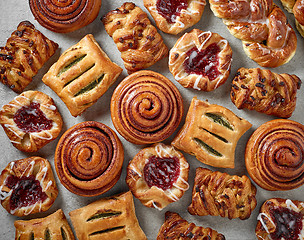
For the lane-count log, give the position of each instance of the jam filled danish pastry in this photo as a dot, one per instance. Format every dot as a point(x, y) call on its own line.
point(158, 176)
point(174, 16)
point(201, 60)
point(220, 194)
point(31, 120)
point(136, 38)
point(27, 186)
point(26, 51)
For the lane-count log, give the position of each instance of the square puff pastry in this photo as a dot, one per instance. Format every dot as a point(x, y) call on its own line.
point(211, 133)
point(108, 219)
point(54, 226)
point(82, 74)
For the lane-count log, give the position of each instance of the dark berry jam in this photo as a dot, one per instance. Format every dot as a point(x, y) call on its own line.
point(170, 9)
point(203, 62)
point(288, 222)
point(161, 172)
point(31, 119)
point(26, 191)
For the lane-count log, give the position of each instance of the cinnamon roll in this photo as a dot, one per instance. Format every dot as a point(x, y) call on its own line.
point(89, 158)
point(146, 107)
point(274, 155)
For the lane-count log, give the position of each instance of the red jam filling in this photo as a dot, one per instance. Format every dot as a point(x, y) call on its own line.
point(161, 172)
point(288, 222)
point(26, 191)
point(170, 9)
point(203, 62)
point(31, 119)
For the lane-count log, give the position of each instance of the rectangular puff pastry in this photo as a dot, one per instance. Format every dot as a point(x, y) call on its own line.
point(108, 219)
point(82, 74)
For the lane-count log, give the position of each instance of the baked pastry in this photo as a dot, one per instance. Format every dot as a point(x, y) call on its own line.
point(146, 107)
point(280, 219)
point(211, 133)
point(82, 74)
point(24, 54)
point(136, 38)
point(108, 219)
point(158, 176)
point(31, 120)
point(175, 16)
point(274, 155)
point(262, 26)
point(176, 227)
point(89, 158)
point(220, 194)
point(27, 186)
point(265, 91)
point(54, 226)
point(65, 16)
point(201, 60)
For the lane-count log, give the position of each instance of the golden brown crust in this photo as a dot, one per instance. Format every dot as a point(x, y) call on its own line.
point(36, 167)
point(265, 91)
point(54, 226)
point(187, 18)
point(220, 194)
point(82, 74)
point(25, 53)
point(136, 38)
point(146, 107)
point(22, 139)
point(274, 155)
point(177, 228)
point(201, 40)
point(211, 133)
point(155, 197)
point(89, 158)
point(108, 219)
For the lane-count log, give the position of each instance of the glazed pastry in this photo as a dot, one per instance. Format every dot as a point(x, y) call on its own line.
point(82, 74)
point(201, 60)
point(54, 226)
point(31, 120)
point(158, 176)
point(24, 54)
point(265, 91)
point(211, 133)
point(27, 186)
point(262, 26)
point(64, 16)
point(146, 107)
point(274, 155)
point(108, 219)
point(220, 194)
point(280, 219)
point(136, 38)
point(175, 16)
point(89, 158)
point(176, 227)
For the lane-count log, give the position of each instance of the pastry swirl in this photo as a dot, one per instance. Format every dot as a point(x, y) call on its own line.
point(89, 158)
point(65, 16)
point(274, 155)
point(146, 107)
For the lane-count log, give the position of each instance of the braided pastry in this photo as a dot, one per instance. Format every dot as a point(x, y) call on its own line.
point(136, 38)
point(262, 26)
point(64, 16)
point(220, 194)
point(146, 107)
point(24, 54)
point(274, 155)
point(265, 91)
point(177, 228)
point(89, 158)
